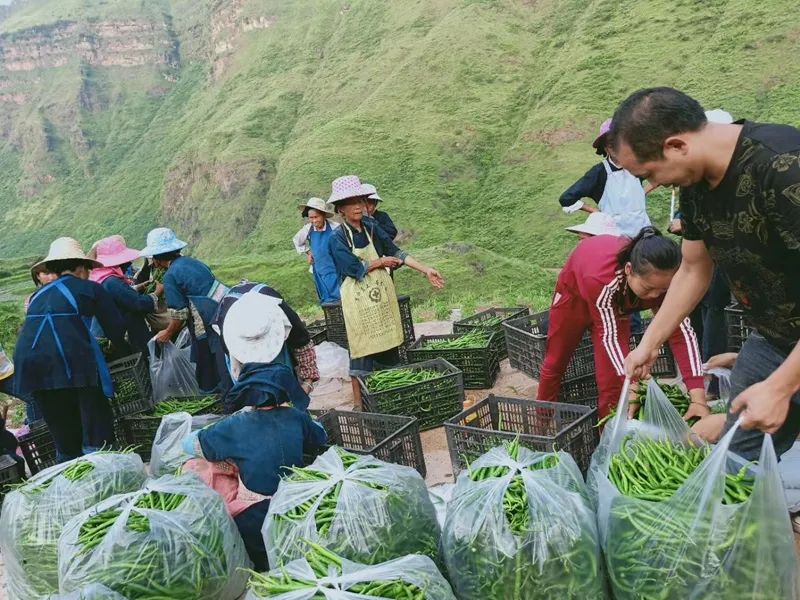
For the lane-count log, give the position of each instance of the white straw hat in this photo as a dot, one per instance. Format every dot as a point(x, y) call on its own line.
point(598, 223)
point(317, 204)
point(349, 186)
point(373, 192)
point(255, 328)
point(65, 248)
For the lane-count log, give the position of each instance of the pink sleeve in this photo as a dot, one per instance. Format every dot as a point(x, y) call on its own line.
point(683, 343)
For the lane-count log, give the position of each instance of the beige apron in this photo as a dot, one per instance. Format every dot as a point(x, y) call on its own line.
point(371, 312)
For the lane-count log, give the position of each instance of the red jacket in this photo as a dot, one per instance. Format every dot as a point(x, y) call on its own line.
point(591, 272)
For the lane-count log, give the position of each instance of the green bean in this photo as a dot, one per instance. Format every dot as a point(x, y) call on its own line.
point(477, 338)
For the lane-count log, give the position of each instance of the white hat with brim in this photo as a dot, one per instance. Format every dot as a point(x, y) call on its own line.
point(317, 204)
point(374, 192)
point(162, 240)
point(349, 186)
point(64, 248)
point(255, 328)
point(597, 223)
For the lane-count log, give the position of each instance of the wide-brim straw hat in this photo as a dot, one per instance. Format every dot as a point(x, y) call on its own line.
point(255, 328)
point(597, 223)
point(349, 186)
point(64, 248)
point(317, 204)
point(113, 251)
point(162, 240)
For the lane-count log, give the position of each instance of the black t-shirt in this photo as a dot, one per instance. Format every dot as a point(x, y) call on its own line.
point(750, 224)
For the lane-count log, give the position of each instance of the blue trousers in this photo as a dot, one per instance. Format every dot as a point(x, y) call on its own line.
point(756, 361)
point(249, 523)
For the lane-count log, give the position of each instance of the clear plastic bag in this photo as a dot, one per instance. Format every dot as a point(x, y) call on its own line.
point(558, 556)
point(167, 456)
point(193, 551)
point(93, 591)
point(383, 511)
point(34, 515)
point(692, 545)
point(419, 571)
point(171, 371)
point(333, 361)
point(724, 380)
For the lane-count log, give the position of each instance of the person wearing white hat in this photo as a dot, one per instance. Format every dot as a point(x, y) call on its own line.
point(59, 362)
point(363, 252)
point(302, 355)
point(266, 441)
point(597, 223)
point(116, 257)
point(381, 216)
point(313, 240)
point(193, 294)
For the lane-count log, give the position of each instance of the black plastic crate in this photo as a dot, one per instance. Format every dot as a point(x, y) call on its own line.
point(526, 340)
point(478, 321)
point(9, 474)
point(581, 390)
point(337, 333)
point(140, 430)
point(738, 328)
point(38, 448)
point(665, 363)
point(390, 438)
point(432, 401)
point(540, 426)
point(479, 366)
point(318, 331)
point(133, 390)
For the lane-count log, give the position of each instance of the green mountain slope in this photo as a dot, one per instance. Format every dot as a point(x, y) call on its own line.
point(216, 117)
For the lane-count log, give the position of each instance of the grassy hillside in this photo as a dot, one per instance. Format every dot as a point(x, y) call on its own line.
point(470, 116)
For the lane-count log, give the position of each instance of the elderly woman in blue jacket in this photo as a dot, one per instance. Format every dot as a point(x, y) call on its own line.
point(58, 361)
point(193, 295)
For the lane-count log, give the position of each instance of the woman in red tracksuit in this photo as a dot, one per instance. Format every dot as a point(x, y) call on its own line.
point(604, 280)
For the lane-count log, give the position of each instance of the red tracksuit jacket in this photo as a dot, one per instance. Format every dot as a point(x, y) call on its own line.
point(587, 295)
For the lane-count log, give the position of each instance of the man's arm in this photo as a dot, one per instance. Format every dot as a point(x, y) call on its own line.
point(685, 292)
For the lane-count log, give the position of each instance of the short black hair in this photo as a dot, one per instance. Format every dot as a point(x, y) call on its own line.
point(168, 256)
point(70, 264)
point(648, 117)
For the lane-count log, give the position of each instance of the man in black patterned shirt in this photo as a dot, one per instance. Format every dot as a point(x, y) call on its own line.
point(740, 200)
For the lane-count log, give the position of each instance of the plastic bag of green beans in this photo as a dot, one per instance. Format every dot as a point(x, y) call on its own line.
point(362, 508)
point(167, 456)
point(171, 539)
point(680, 520)
point(323, 574)
point(35, 513)
point(519, 525)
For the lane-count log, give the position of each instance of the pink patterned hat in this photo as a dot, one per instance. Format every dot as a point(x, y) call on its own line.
point(344, 188)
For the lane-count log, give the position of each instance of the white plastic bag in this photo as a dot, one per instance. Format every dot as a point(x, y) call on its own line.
point(167, 456)
point(192, 551)
point(333, 361)
point(382, 511)
point(92, 591)
point(346, 582)
point(34, 515)
point(692, 545)
point(724, 379)
point(172, 373)
point(555, 554)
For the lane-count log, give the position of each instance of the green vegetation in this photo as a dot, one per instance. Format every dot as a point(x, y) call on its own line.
point(470, 116)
